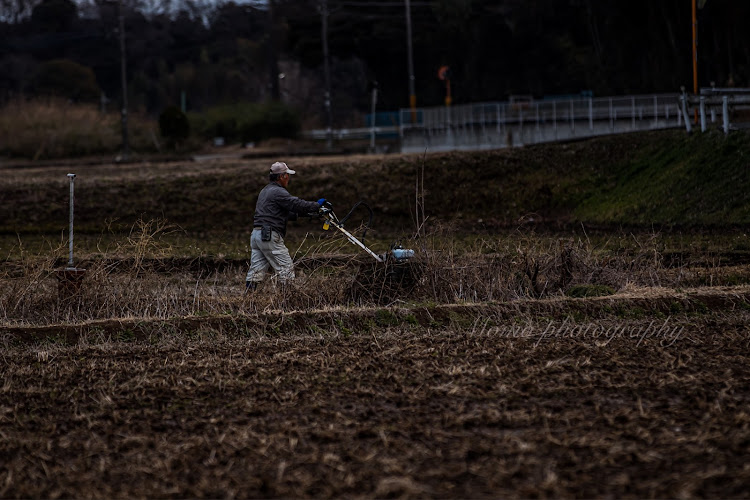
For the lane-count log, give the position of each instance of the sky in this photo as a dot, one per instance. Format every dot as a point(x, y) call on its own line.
point(9, 9)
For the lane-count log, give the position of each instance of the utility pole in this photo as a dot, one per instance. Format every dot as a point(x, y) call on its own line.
point(695, 52)
point(373, 108)
point(327, 73)
point(124, 84)
point(273, 64)
point(412, 92)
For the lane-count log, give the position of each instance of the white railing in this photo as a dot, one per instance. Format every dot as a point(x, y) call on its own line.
point(491, 125)
point(659, 108)
point(504, 124)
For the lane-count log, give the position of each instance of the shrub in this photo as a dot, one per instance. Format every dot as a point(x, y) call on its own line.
point(174, 125)
point(64, 78)
point(247, 122)
point(273, 119)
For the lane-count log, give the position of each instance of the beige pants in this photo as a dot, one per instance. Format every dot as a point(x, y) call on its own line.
point(267, 255)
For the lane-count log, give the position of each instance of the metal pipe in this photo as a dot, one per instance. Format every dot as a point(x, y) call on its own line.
point(70, 229)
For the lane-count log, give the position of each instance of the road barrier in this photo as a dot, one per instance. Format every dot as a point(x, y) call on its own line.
point(492, 125)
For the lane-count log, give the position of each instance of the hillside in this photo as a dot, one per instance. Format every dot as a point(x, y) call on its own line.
point(660, 178)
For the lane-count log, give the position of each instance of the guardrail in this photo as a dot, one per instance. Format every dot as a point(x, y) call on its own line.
point(505, 124)
point(661, 108)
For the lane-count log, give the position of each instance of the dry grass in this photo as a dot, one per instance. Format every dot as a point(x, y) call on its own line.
point(54, 128)
point(136, 278)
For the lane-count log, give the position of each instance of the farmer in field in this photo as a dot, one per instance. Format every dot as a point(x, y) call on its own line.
point(274, 208)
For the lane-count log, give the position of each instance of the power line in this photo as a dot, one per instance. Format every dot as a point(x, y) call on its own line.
point(369, 3)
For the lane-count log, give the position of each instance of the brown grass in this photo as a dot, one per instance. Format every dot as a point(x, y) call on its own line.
point(137, 278)
point(55, 128)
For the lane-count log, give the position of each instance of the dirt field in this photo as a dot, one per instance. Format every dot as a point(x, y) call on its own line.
point(520, 354)
point(645, 394)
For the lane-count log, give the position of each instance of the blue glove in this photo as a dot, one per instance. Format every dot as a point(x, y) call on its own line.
point(321, 201)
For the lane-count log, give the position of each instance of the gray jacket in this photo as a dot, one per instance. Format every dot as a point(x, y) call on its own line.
point(275, 205)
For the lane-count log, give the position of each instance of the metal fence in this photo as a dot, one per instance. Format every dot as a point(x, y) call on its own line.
point(504, 124)
point(490, 125)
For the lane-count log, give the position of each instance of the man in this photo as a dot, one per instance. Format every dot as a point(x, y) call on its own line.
point(274, 208)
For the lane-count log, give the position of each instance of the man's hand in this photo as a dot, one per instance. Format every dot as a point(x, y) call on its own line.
point(321, 201)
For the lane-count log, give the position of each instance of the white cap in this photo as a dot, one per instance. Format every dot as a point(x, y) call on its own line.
point(280, 168)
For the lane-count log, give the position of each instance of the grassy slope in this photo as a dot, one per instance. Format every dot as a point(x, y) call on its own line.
point(676, 179)
point(645, 178)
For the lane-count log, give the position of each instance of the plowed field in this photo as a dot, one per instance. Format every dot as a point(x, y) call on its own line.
point(644, 394)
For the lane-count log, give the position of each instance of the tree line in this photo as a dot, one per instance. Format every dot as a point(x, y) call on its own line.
point(206, 54)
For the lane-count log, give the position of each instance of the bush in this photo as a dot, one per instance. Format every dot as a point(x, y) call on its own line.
point(64, 78)
point(247, 122)
point(174, 125)
point(273, 119)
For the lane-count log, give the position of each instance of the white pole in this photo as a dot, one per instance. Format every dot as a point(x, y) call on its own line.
point(70, 230)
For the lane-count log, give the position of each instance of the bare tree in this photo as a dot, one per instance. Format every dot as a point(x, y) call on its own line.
point(14, 11)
